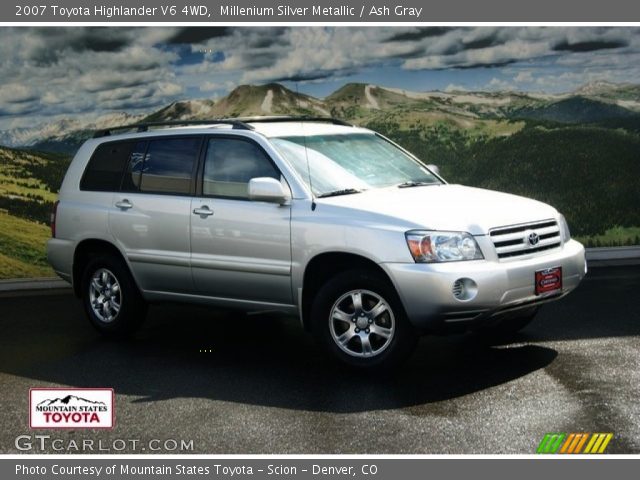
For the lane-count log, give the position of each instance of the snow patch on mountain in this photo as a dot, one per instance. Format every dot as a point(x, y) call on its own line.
point(372, 102)
point(267, 103)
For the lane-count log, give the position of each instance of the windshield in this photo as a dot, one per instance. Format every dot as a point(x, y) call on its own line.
point(351, 163)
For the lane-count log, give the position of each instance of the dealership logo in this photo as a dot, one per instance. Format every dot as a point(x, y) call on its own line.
point(574, 443)
point(71, 408)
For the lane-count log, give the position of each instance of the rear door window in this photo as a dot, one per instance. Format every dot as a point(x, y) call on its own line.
point(166, 166)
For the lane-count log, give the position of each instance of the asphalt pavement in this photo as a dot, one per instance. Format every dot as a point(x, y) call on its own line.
point(230, 383)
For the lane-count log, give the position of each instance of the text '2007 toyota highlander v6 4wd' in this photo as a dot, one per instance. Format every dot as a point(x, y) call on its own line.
point(315, 217)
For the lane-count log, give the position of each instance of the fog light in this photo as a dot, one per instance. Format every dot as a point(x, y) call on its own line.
point(464, 289)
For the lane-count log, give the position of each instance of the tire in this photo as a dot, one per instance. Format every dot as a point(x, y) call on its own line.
point(375, 335)
point(510, 324)
point(110, 296)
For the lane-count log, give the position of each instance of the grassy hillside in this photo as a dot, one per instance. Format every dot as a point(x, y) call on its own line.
point(28, 185)
point(29, 182)
point(613, 237)
point(589, 173)
point(576, 110)
point(22, 248)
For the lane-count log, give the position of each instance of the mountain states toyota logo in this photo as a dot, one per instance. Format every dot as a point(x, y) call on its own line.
point(71, 408)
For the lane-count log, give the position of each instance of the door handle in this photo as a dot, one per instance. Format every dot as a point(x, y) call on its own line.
point(203, 211)
point(124, 204)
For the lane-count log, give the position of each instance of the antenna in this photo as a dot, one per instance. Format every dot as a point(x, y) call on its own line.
point(306, 152)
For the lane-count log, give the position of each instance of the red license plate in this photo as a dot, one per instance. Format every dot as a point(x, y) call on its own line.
point(548, 280)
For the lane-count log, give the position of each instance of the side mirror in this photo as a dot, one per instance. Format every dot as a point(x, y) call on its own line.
point(267, 189)
point(434, 168)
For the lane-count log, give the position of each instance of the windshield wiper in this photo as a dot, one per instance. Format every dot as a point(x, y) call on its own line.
point(335, 193)
point(413, 183)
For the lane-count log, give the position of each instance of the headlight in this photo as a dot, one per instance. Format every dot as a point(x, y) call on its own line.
point(564, 228)
point(429, 247)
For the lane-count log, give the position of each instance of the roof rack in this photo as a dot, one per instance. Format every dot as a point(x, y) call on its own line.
point(144, 127)
point(294, 118)
point(240, 123)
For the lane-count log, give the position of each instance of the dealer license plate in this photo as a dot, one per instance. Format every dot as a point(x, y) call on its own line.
point(548, 280)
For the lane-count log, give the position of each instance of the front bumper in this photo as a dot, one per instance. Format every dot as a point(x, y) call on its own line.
point(426, 290)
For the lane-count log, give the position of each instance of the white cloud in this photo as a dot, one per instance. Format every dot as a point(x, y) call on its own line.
point(51, 98)
point(209, 86)
point(17, 93)
point(498, 84)
point(524, 76)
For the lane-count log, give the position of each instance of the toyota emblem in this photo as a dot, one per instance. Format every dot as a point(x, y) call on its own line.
point(533, 238)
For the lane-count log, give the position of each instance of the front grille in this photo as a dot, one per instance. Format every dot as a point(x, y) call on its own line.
point(525, 239)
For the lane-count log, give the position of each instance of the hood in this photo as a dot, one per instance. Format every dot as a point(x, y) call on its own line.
point(443, 207)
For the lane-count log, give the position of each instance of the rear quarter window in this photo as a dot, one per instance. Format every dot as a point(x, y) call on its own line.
point(104, 170)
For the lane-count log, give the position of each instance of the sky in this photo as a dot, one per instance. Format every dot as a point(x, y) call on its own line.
point(83, 72)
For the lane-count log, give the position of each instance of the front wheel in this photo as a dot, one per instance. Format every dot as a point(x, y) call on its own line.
point(110, 296)
point(358, 319)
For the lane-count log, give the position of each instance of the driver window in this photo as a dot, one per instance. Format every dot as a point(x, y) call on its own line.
point(230, 164)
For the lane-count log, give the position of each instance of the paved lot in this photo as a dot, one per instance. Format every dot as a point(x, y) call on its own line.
point(265, 388)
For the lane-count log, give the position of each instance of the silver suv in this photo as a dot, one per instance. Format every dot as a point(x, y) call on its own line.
point(313, 217)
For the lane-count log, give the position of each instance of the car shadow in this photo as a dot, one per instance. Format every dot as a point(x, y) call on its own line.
point(187, 351)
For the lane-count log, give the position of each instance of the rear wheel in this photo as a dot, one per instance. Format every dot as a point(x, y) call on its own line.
point(358, 319)
point(111, 298)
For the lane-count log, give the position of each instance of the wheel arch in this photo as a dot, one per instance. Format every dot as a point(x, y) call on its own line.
point(326, 265)
point(84, 251)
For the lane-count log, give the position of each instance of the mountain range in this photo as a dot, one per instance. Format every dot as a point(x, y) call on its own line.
point(363, 104)
point(69, 400)
point(578, 151)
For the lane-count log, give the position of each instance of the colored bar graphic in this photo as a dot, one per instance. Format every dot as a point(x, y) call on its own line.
point(571, 440)
point(578, 448)
point(573, 443)
point(592, 441)
point(598, 443)
point(606, 441)
point(551, 442)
